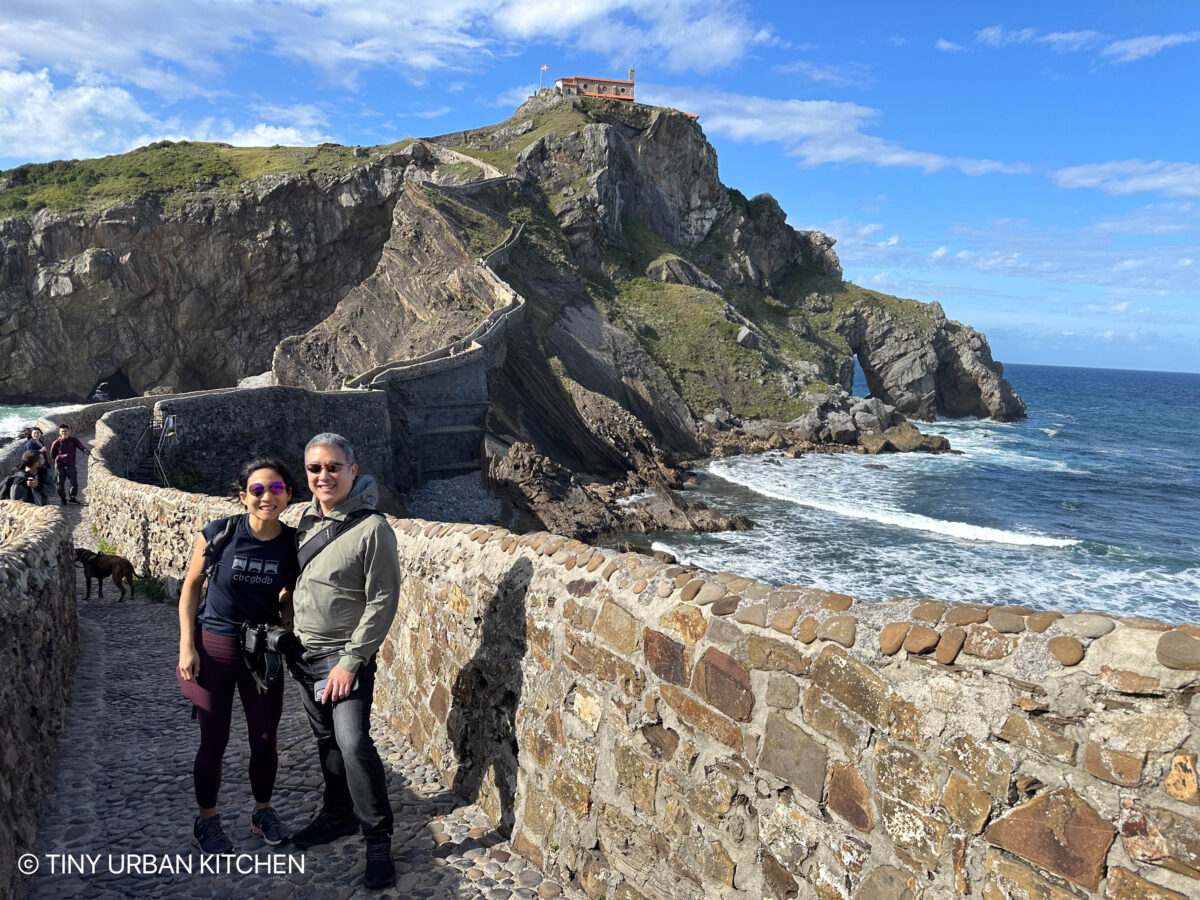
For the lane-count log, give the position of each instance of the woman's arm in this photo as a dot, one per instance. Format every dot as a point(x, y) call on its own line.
point(189, 605)
point(286, 611)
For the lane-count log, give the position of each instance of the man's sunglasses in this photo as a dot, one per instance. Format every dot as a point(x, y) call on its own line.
point(331, 468)
point(275, 487)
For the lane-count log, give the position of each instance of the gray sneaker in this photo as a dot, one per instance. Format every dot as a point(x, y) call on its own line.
point(264, 823)
point(210, 837)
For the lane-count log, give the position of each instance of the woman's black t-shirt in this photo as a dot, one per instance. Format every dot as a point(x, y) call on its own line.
point(245, 585)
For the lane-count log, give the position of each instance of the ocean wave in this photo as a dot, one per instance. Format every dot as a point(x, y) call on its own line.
point(910, 521)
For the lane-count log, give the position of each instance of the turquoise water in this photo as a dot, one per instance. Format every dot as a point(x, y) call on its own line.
point(14, 419)
point(1093, 502)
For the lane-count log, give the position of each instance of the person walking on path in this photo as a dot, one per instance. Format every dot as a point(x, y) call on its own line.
point(22, 484)
point(346, 598)
point(62, 452)
point(249, 580)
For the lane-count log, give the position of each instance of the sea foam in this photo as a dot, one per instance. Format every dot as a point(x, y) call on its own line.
point(912, 521)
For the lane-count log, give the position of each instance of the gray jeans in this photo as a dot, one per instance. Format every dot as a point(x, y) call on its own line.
point(355, 782)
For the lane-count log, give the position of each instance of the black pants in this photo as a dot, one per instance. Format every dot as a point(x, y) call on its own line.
point(222, 671)
point(355, 782)
point(65, 474)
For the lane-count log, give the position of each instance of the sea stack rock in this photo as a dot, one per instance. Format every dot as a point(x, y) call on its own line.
point(928, 365)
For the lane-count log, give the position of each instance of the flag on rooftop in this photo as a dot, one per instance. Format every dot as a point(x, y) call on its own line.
point(544, 67)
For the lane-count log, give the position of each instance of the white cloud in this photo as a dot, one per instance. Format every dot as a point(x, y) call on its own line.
point(890, 242)
point(684, 35)
point(435, 112)
point(1132, 176)
point(949, 46)
point(1185, 262)
point(39, 121)
point(1172, 217)
point(301, 115)
point(186, 49)
point(1070, 41)
point(1061, 41)
point(839, 76)
point(869, 229)
point(263, 135)
point(938, 253)
point(818, 132)
point(1120, 51)
point(1147, 45)
point(515, 96)
point(999, 36)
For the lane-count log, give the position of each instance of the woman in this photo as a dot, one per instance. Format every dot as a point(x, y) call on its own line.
point(251, 582)
point(33, 441)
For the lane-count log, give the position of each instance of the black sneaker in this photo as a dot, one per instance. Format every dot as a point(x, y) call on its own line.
point(264, 823)
point(323, 829)
point(381, 871)
point(209, 836)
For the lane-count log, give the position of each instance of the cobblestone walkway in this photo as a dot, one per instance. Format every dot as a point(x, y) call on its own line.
point(123, 791)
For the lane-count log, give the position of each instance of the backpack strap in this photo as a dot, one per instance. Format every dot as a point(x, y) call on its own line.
point(326, 536)
point(212, 555)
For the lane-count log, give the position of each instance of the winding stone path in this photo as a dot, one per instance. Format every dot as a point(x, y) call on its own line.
point(123, 791)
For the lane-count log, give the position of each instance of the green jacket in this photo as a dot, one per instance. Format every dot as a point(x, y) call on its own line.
point(346, 597)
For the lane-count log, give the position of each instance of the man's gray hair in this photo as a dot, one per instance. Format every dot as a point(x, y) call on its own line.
point(329, 439)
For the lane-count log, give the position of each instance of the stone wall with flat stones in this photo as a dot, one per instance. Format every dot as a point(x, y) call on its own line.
point(657, 731)
point(39, 647)
point(216, 433)
point(660, 731)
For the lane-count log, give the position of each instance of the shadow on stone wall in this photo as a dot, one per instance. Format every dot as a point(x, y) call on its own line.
point(486, 695)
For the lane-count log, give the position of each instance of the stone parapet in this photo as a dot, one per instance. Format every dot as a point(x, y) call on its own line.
point(39, 648)
point(659, 731)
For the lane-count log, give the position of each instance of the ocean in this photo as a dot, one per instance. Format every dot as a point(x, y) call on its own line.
point(1091, 503)
point(14, 419)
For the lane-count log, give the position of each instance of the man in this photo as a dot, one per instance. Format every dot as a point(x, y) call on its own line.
point(62, 452)
point(22, 484)
point(344, 603)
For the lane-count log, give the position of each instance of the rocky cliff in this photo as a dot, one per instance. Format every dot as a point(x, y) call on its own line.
point(658, 299)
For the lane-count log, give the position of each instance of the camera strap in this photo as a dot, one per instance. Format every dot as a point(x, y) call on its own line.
point(326, 536)
point(265, 665)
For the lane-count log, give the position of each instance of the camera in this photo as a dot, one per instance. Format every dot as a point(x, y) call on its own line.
point(257, 639)
point(281, 640)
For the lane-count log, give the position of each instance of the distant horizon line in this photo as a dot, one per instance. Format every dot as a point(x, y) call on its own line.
point(1101, 368)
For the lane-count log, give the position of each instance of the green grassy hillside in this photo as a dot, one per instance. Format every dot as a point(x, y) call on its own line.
point(164, 171)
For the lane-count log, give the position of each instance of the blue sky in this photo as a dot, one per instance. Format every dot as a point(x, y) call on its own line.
point(1034, 167)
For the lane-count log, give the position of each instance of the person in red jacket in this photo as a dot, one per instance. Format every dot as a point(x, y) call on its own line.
point(62, 452)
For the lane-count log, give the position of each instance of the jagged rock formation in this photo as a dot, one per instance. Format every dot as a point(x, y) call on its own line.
point(938, 366)
point(426, 290)
point(656, 297)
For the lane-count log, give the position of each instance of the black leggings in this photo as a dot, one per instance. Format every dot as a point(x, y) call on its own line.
point(221, 668)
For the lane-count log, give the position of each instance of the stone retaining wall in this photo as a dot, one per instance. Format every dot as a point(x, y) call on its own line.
point(657, 731)
point(215, 434)
point(39, 647)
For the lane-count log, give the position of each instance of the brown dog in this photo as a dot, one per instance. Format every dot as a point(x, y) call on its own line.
point(101, 566)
